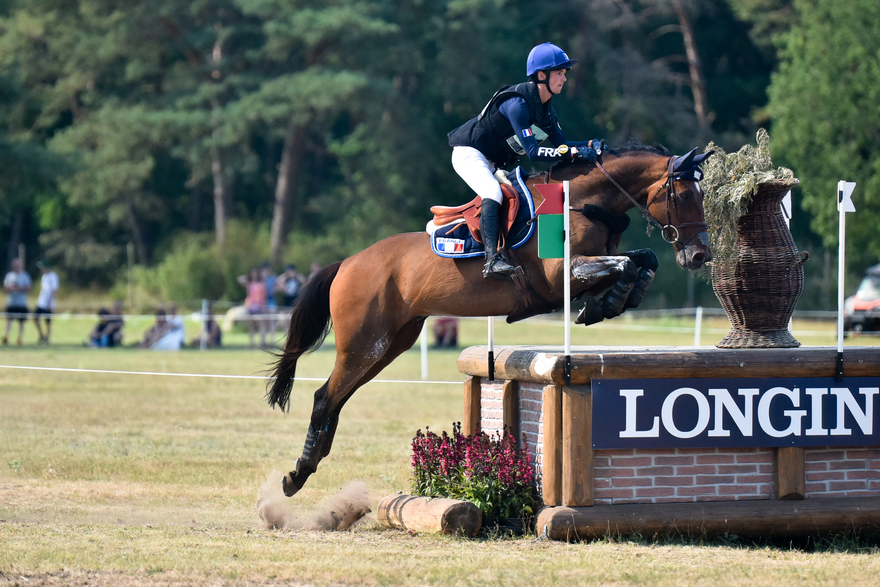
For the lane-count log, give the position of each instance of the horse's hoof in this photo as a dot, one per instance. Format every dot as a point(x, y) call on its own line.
point(591, 313)
point(289, 486)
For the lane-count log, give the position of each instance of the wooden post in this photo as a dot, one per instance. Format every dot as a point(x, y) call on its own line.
point(510, 407)
point(577, 447)
point(470, 423)
point(551, 475)
point(789, 473)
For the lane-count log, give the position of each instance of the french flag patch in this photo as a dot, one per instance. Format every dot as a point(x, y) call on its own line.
point(450, 245)
point(527, 132)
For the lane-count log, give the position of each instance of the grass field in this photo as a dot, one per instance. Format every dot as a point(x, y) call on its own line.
point(109, 478)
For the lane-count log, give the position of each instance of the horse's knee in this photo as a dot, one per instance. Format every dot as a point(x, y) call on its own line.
point(644, 259)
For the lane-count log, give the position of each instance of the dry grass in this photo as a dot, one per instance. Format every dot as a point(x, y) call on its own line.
point(142, 479)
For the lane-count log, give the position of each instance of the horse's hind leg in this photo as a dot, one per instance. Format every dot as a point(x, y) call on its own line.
point(351, 371)
point(405, 339)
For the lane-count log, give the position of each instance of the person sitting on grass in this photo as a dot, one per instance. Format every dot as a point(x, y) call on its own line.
point(162, 335)
point(108, 331)
point(210, 330)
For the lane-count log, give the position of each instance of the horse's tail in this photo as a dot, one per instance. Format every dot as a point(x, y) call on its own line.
point(309, 326)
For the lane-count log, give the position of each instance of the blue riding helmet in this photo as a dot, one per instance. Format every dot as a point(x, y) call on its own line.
point(547, 56)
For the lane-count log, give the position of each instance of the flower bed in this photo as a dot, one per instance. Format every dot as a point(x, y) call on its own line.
point(494, 473)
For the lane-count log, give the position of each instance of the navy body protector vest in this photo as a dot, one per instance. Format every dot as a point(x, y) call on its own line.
point(491, 132)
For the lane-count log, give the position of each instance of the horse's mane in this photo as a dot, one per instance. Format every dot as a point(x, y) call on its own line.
point(630, 146)
point(634, 145)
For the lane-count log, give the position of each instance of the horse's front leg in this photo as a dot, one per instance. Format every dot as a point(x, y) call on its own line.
point(647, 262)
point(624, 279)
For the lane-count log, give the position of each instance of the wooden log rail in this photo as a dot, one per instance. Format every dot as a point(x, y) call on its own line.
point(780, 519)
point(547, 365)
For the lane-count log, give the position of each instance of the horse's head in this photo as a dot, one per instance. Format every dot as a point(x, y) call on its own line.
point(675, 202)
point(666, 190)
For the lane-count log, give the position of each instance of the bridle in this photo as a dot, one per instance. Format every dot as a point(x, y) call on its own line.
point(669, 231)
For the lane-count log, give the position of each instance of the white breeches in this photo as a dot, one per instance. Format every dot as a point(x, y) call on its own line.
point(477, 171)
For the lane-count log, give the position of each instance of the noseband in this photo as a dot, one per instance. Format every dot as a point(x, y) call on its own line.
point(669, 231)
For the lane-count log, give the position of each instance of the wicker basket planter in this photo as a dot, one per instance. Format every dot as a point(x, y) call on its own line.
point(759, 289)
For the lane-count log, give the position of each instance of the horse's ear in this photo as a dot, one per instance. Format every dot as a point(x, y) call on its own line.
point(684, 162)
point(702, 157)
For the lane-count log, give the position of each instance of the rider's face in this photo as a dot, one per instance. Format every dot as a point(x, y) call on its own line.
point(557, 80)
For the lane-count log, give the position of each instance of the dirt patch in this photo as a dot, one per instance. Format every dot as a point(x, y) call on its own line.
point(340, 512)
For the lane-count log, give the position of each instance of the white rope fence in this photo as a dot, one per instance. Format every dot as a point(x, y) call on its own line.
point(204, 375)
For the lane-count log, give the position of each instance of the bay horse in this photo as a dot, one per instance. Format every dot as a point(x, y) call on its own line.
point(378, 299)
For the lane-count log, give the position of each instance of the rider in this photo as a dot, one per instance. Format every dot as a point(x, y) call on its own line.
point(512, 124)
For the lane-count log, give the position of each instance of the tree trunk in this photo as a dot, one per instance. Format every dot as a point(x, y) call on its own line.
point(221, 195)
point(288, 170)
point(222, 198)
point(137, 234)
point(15, 237)
point(698, 84)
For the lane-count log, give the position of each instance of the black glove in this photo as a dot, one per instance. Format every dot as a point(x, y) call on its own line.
point(598, 145)
point(587, 154)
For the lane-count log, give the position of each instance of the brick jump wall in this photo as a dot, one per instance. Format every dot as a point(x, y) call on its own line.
point(682, 475)
point(842, 472)
point(529, 407)
point(688, 475)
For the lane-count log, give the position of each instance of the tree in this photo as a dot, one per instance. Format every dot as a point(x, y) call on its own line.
point(313, 68)
point(826, 121)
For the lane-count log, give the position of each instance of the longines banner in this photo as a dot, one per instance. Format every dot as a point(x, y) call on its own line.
point(672, 413)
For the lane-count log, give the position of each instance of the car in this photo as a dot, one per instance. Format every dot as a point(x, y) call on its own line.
point(861, 312)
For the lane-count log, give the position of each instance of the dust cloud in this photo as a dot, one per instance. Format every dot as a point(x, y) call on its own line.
point(340, 512)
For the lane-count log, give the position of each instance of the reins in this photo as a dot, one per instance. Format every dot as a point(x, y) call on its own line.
point(669, 232)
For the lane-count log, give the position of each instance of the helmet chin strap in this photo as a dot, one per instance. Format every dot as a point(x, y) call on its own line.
point(546, 82)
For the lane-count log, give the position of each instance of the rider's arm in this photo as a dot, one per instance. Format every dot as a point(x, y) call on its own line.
point(517, 112)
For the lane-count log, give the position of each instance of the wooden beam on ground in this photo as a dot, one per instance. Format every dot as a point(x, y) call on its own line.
point(577, 447)
point(780, 519)
point(789, 473)
point(427, 514)
point(551, 479)
point(470, 423)
point(510, 407)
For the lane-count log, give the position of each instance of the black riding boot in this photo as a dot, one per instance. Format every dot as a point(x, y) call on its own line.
point(497, 265)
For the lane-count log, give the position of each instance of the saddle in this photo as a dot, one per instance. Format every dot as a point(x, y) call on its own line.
point(470, 213)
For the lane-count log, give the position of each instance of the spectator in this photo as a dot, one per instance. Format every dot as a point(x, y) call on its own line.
point(16, 283)
point(100, 336)
point(210, 330)
point(446, 332)
point(49, 285)
point(176, 329)
point(115, 323)
point(270, 280)
point(157, 332)
point(288, 285)
point(255, 302)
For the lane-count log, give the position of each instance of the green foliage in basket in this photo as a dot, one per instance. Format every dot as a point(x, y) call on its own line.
point(730, 180)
